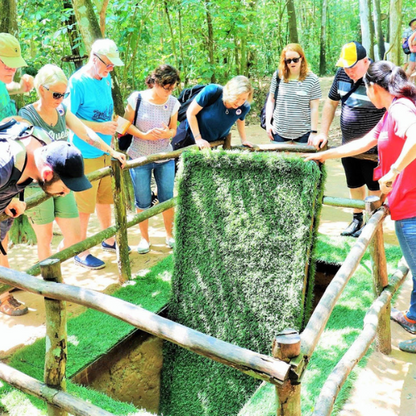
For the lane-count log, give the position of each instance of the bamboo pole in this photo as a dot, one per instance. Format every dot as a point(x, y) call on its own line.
point(102, 235)
point(60, 399)
point(120, 215)
point(380, 281)
point(56, 336)
point(256, 365)
point(343, 202)
point(320, 316)
point(278, 147)
point(360, 346)
point(227, 142)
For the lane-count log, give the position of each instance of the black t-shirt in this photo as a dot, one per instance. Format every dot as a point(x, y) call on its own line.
point(358, 114)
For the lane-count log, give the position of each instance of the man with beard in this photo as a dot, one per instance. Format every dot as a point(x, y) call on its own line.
point(58, 167)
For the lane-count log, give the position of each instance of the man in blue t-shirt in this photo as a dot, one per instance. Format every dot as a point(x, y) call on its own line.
point(358, 117)
point(10, 60)
point(90, 100)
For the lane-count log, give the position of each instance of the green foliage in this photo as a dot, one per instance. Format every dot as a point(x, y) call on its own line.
point(90, 335)
point(243, 238)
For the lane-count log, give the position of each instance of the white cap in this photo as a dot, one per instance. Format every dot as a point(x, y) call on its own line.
point(108, 48)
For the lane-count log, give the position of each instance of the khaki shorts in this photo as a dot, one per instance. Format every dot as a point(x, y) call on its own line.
point(101, 191)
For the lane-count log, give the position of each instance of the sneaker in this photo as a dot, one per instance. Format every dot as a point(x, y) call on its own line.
point(143, 247)
point(408, 345)
point(90, 262)
point(11, 306)
point(401, 318)
point(155, 201)
point(358, 232)
point(109, 247)
point(170, 242)
point(354, 226)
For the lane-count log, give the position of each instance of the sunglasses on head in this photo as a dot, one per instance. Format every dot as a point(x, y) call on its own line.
point(294, 60)
point(57, 95)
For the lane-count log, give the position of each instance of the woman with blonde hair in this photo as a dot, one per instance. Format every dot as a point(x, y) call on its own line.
point(292, 109)
point(214, 111)
point(54, 117)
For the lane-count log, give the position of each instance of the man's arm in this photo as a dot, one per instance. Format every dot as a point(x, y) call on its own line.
point(25, 85)
point(328, 114)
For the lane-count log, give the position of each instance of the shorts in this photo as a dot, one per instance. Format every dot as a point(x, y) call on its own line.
point(302, 139)
point(5, 227)
point(101, 191)
point(164, 174)
point(57, 207)
point(359, 172)
point(412, 57)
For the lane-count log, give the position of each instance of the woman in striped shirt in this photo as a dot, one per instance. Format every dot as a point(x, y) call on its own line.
point(293, 115)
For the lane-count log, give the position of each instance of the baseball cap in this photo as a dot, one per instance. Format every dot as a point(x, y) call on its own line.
point(10, 52)
point(410, 23)
point(67, 161)
point(351, 53)
point(108, 48)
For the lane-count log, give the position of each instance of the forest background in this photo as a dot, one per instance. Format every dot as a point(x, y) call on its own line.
point(208, 41)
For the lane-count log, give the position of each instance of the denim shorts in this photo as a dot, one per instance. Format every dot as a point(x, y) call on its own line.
point(5, 227)
point(164, 174)
point(412, 57)
point(406, 234)
point(302, 139)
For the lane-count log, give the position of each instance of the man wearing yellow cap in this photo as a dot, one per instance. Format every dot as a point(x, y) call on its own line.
point(358, 117)
point(10, 60)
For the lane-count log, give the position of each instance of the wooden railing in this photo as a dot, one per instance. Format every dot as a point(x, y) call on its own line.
point(291, 352)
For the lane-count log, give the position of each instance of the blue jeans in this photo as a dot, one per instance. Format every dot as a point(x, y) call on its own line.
point(301, 139)
point(406, 234)
point(164, 174)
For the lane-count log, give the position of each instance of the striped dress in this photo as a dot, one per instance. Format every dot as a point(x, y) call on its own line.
point(292, 113)
point(358, 114)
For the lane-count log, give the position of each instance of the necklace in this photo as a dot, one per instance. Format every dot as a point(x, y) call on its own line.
point(226, 111)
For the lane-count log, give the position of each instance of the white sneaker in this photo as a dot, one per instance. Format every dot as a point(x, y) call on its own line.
point(143, 247)
point(170, 242)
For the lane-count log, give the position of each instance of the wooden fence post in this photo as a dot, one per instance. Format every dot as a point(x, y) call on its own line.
point(227, 142)
point(120, 214)
point(56, 336)
point(380, 278)
point(286, 346)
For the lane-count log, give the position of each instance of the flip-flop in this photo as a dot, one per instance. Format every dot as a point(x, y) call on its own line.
point(408, 346)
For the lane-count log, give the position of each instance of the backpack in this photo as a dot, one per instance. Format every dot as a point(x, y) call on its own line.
point(187, 96)
point(405, 46)
point(263, 110)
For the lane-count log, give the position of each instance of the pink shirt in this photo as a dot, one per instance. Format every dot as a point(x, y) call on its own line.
point(391, 135)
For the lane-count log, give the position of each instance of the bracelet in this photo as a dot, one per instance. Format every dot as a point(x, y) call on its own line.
point(314, 131)
point(395, 170)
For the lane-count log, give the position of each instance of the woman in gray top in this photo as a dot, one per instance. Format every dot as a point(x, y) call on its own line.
point(50, 114)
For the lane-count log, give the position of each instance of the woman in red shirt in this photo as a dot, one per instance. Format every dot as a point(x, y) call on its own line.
point(395, 135)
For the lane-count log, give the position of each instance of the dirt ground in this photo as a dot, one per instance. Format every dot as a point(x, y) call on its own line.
point(385, 387)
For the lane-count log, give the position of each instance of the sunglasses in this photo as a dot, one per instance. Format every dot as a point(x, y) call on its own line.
point(294, 60)
point(169, 88)
point(108, 66)
point(57, 95)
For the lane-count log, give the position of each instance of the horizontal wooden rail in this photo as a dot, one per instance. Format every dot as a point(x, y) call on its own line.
point(103, 235)
point(360, 346)
point(343, 202)
point(317, 323)
point(60, 399)
point(256, 365)
point(277, 147)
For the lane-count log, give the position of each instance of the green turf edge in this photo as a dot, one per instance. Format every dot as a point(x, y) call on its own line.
point(86, 341)
point(343, 328)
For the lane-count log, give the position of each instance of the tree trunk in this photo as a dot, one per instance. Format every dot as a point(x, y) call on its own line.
point(210, 39)
point(293, 29)
point(395, 31)
point(379, 30)
point(90, 31)
point(322, 56)
point(73, 33)
point(171, 34)
point(8, 17)
point(365, 18)
point(183, 65)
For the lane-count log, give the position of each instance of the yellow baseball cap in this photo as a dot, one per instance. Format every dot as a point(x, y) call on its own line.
point(10, 51)
point(351, 53)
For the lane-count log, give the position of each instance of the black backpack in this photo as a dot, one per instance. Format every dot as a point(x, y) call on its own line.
point(187, 96)
point(405, 46)
point(263, 110)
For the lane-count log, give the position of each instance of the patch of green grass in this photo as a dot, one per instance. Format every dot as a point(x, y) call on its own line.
point(244, 234)
point(91, 335)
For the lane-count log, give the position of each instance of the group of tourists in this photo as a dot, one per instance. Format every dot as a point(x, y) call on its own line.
point(378, 113)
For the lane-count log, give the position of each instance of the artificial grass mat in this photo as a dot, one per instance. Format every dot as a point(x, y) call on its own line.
point(90, 335)
point(244, 235)
point(343, 327)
